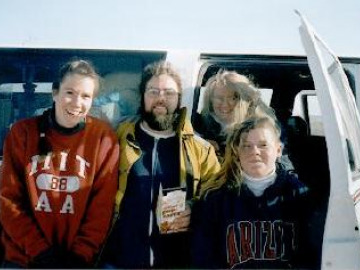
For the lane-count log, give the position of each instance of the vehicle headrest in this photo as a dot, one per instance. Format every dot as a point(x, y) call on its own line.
point(297, 126)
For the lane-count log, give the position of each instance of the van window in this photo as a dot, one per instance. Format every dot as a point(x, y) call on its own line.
point(266, 95)
point(279, 79)
point(26, 77)
point(119, 97)
point(314, 114)
point(17, 103)
point(306, 106)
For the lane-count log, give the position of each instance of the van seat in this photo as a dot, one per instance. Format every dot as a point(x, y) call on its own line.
point(309, 157)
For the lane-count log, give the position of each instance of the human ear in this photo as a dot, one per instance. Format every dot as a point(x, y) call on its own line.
point(55, 93)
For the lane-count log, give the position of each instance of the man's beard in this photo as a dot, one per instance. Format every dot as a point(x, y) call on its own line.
point(160, 122)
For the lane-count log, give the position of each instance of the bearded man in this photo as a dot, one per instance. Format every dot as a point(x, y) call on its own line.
point(163, 167)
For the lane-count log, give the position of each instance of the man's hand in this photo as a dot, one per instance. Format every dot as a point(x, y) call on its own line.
point(182, 222)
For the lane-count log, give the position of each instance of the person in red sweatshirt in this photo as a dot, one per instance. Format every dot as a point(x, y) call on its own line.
point(59, 179)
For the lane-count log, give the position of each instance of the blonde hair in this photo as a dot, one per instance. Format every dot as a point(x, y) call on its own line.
point(230, 173)
point(248, 97)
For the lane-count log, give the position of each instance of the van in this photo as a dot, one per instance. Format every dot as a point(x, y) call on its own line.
point(313, 98)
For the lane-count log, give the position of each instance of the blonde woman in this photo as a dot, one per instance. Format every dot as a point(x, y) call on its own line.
point(229, 99)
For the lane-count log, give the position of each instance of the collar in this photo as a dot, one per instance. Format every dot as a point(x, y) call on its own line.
point(63, 130)
point(259, 185)
point(154, 134)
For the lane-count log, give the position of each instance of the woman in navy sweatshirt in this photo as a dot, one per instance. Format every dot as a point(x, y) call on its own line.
point(252, 216)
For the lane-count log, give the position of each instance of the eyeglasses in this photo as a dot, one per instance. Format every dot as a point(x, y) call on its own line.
point(169, 93)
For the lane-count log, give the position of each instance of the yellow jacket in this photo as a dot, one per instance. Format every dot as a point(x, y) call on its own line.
point(197, 157)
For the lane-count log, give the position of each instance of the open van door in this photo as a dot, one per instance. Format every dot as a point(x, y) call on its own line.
point(341, 242)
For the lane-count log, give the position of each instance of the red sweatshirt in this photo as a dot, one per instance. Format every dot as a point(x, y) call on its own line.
point(65, 198)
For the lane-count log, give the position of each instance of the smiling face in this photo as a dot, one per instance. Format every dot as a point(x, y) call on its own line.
point(258, 151)
point(160, 108)
point(223, 103)
point(73, 99)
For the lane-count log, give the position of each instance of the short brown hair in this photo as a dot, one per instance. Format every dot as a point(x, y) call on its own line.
point(80, 67)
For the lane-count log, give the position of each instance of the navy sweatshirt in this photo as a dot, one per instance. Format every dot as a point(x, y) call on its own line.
point(239, 230)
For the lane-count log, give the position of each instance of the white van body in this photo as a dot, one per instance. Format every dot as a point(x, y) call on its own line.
point(293, 90)
point(342, 129)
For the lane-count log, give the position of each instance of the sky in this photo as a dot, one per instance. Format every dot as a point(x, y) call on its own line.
point(238, 26)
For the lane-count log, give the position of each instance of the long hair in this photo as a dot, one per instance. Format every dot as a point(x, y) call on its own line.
point(80, 67)
point(245, 92)
point(230, 173)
